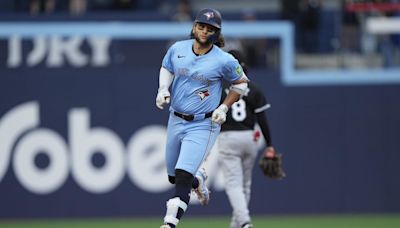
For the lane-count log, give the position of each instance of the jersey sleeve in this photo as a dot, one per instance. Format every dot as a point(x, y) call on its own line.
point(232, 70)
point(167, 60)
point(260, 102)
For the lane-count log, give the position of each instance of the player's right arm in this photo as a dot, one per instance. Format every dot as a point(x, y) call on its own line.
point(261, 107)
point(164, 81)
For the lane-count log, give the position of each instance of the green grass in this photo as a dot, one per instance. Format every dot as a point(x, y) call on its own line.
point(298, 221)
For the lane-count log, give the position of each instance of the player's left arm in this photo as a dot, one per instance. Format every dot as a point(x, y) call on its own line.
point(236, 90)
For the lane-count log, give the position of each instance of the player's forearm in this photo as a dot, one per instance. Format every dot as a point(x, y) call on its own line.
point(263, 123)
point(231, 98)
point(237, 89)
point(165, 79)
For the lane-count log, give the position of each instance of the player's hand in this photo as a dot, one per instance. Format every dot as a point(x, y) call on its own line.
point(219, 114)
point(269, 152)
point(163, 98)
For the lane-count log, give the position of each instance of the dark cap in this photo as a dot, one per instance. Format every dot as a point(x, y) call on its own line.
point(209, 16)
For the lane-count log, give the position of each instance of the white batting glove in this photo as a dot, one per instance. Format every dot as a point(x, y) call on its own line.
point(219, 114)
point(163, 98)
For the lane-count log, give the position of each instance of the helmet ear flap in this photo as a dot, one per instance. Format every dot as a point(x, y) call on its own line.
point(214, 37)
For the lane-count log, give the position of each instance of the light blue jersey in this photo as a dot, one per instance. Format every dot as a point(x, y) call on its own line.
point(197, 87)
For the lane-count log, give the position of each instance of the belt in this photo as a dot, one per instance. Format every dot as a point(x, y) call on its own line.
point(191, 117)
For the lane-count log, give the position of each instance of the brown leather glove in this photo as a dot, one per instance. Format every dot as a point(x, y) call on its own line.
point(271, 164)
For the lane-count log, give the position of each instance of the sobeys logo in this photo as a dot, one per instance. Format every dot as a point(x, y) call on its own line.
point(24, 141)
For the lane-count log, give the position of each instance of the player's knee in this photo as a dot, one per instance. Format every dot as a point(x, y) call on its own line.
point(171, 179)
point(183, 177)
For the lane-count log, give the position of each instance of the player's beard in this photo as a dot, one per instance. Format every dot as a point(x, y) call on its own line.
point(201, 42)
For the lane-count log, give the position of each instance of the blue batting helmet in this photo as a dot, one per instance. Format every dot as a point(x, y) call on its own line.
point(209, 16)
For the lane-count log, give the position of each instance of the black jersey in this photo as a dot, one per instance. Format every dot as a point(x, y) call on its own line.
point(242, 114)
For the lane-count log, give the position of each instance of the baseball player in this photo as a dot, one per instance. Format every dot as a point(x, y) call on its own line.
point(191, 78)
point(238, 149)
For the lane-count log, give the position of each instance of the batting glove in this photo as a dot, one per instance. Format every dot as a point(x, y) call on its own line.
point(219, 114)
point(163, 98)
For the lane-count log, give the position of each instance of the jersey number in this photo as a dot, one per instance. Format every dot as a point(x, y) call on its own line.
point(239, 110)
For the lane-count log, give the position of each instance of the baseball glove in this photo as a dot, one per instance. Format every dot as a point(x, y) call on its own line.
point(271, 164)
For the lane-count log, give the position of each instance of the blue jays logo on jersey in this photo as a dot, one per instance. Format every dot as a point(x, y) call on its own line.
point(209, 15)
point(203, 94)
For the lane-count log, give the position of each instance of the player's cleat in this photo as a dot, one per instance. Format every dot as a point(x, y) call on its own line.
point(202, 192)
point(247, 225)
point(165, 226)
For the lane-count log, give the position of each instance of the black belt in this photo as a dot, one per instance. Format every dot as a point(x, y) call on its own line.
point(191, 117)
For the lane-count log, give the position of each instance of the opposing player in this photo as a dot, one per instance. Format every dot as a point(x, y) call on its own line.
point(191, 79)
point(238, 148)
